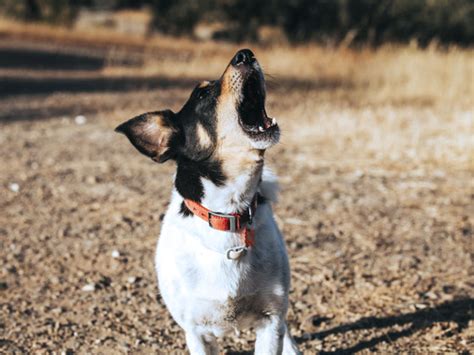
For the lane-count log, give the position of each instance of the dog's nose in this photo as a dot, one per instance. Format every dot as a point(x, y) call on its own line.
point(244, 56)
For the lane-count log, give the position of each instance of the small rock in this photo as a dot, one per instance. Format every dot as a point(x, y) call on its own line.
point(131, 279)
point(14, 187)
point(300, 305)
point(115, 254)
point(89, 288)
point(295, 221)
point(318, 345)
point(431, 295)
point(91, 179)
point(57, 310)
point(80, 120)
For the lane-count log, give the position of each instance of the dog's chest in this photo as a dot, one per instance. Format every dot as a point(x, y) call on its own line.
point(201, 287)
point(208, 290)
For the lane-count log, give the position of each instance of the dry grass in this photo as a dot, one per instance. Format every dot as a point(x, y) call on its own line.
point(376, 165)
point(396, 106)
point(94, 37)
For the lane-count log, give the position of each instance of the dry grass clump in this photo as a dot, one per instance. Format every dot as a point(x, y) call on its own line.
point(395, 107)
point(392, 107)
point(388, 73)
point(118, 44)
point(409, 73)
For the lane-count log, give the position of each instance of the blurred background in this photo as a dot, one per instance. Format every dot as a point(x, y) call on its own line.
point(376, 164)
point(336, 22)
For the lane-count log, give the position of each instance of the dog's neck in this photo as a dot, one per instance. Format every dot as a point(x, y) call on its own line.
point(227, 183)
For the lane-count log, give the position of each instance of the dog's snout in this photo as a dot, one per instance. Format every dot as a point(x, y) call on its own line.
point(244, 56)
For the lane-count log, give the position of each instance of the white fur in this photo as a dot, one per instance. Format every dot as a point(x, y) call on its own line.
point(203, 289)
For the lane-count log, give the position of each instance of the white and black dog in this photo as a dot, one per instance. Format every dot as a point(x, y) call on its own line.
point(221, 260)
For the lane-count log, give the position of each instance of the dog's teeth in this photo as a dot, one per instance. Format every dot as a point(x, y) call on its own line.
point(261, 129)
point(274, 121)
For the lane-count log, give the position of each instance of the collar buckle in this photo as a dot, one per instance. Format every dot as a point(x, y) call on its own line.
point(231, 218)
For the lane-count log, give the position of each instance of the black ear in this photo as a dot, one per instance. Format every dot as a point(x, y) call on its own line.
point(154, 134)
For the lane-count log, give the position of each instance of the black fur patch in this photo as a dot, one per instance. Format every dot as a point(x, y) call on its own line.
point(184, 210)
point(194, 161)
point(189, 174)
point(200, 109)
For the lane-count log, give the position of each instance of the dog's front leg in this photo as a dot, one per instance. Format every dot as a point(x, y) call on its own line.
point(270, 337)
point(200, 344)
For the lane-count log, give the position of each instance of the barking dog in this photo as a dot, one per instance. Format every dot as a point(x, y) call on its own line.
point(221, 260)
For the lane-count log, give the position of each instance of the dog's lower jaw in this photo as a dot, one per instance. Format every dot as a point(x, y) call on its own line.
point(265, 143)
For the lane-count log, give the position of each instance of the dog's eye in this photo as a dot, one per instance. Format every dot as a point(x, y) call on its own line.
point(202, 93)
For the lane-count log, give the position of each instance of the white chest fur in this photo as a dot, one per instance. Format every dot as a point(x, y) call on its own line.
point(202, 288)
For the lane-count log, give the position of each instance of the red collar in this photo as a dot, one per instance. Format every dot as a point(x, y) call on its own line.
point(232, 222)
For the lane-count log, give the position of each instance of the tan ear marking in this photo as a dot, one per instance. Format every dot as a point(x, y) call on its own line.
point(150, 133)
point(204, 84)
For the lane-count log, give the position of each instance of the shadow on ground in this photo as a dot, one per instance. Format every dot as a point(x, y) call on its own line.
point(24, 85)
point(11, 86)
point(48, 111)
point(28, 58)
point(69, 72)
point(460, 311)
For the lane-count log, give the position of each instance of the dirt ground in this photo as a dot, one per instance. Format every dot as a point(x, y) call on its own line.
point(380, 238)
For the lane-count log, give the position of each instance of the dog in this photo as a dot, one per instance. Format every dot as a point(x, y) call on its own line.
point(221, 260)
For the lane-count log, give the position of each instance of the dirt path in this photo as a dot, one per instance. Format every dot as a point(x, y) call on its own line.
point(381, 256)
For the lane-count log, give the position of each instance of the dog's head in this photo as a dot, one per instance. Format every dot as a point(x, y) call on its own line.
point(228, 112)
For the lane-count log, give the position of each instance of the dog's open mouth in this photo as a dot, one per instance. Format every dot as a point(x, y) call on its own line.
point(252, 115)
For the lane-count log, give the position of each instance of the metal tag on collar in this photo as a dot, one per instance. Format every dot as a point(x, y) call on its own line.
point(236, 252)
point(250, 215)
point(232, 220)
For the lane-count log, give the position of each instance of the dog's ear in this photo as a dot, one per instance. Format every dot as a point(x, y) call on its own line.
point(154, 134)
